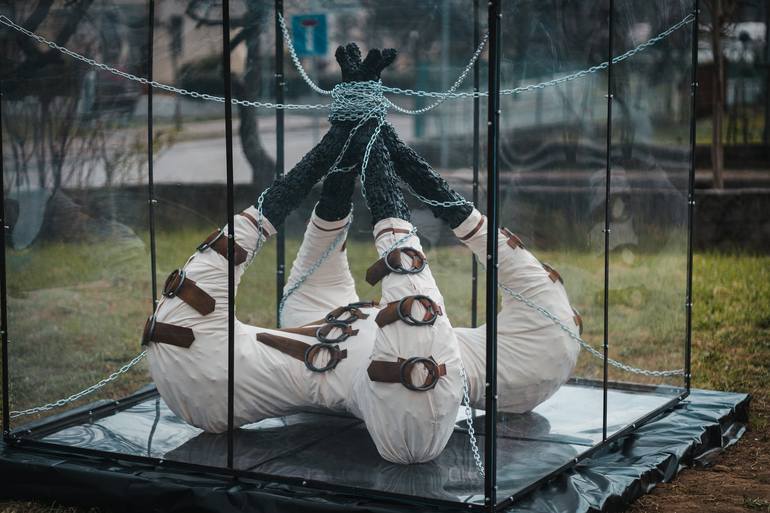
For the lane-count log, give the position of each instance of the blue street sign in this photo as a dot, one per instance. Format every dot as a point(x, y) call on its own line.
point(308, 32)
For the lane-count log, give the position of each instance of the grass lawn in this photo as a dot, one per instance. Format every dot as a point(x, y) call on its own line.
point(75, 321)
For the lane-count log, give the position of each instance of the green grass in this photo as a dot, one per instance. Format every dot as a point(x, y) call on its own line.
point(76, 312)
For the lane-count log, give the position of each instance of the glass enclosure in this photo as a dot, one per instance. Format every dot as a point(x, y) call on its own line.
point(111, 181)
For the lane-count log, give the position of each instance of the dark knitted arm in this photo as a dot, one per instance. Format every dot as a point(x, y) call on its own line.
point(288, 192)
point(383, 193)
point(425, 181)
point(334, 203)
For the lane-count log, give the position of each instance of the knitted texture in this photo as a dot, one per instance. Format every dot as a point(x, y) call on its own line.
point(413, 170)
point(288, 192)
point(383, 193)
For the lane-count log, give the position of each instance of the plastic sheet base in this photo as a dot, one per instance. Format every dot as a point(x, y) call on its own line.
point(533, 448)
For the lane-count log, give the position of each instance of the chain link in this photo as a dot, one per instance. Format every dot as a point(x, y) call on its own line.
point(90, 390)
point(324, 256)
point(469, 423)
point(585, 345)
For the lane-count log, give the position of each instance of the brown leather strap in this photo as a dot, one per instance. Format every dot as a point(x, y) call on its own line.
point(353, 308)
point(167, 334)
point(324, 330)
point(256, 223)
point(304, 352)
point(476, 229)
point(400, 371)
point(391, 314)
point(391, 230)
point(513, 240)
point(178, 284)
point(218, 242)
point(329, 229)
point(553, 273)
point(578, 321)
point(378, 270)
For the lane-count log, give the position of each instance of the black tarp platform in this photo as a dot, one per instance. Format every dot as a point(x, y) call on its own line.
point(322, 448)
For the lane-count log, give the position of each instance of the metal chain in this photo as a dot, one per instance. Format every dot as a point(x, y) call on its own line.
point(469, 421)
point(324, 256)
point(588, 347)
point(90, 390)
point(295, 59)
point(153, 83)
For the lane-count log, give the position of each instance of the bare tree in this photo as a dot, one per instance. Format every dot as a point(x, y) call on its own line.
point(721, 14)
point(249, 28)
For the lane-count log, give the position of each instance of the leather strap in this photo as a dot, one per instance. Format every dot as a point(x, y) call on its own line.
point(218, 242)
point(256, 224)
point(402, 310)
point(578, 321)
point(553, 273)
point(179, 285)
point(476, 229)
point(353, 308)
point(382, 267)
point(166, 334)
point(391, 230)
point(304, 352)
point(324, 330)
point(513, 240)
point(400, 371)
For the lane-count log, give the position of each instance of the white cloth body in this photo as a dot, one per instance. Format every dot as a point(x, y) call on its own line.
point(534, 356)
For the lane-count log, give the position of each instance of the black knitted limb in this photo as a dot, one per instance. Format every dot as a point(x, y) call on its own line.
point(287, 193)
point(334, 203)
point(425, 181)
point(383, 194)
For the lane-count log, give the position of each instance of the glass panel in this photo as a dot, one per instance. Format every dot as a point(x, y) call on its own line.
point(75, 164)
point(190, 187)
point(648, 200)
point(552, 187)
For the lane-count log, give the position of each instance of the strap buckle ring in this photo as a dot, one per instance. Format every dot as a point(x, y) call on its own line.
point(413, 253)
point(312, 351)
point(203, 246)
point(343, 325)
point(431, 380)
point(149, 330)
point(351, 308)
point(426, 302)
point(169, 288)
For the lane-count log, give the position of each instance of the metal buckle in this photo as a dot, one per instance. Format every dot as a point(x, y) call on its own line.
point(312, 351)
point(149, 330)
point(411, 321)
point(350, 320)
point(334, 324)
point(170, 281)
point(433, 373)
point(410, 252)
point(203, 246)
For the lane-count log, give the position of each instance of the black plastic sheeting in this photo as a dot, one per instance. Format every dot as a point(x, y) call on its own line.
point(695, 430)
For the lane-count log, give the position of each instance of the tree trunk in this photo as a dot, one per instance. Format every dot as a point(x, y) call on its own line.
point(717, 148)
point(262, 165)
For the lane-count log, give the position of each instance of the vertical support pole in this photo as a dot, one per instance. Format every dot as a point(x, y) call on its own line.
point(691, 199)
point(493, 129)
point(476, 149)
point(231, 229)
point(280, 84)
point(151, 201)
point(3, 294)
point(608, 161)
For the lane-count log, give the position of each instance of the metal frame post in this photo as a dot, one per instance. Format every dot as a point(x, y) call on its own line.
point(493, 129)
point(691, 199)
point(151, 201)
point(230, 231)
point(3, 294)
point(280, 85)
point(608, 160)
point(476, 149)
